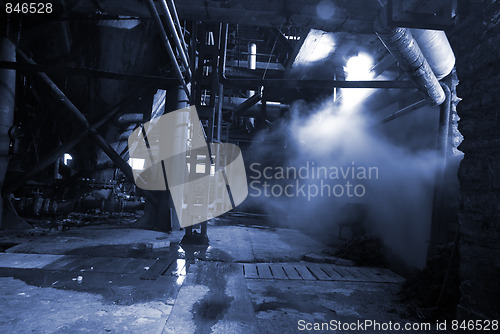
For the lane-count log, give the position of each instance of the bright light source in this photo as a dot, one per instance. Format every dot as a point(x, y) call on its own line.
point(359, 67)
point(66, 158)
point(137, 164)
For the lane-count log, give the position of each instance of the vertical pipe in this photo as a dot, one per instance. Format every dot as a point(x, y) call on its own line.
point(252, 56)
point(7, 103)
point(219, 112)
point(166, 44)
point(171, 6)
point(252, 65)
point(175, 36)
point(438, 228)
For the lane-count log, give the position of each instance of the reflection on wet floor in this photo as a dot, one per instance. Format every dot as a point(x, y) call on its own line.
point(145, 276)
point(128, 273)
point(202, 253)
point(206, 286)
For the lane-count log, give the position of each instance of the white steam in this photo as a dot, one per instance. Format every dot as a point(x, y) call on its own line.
point(399, 201)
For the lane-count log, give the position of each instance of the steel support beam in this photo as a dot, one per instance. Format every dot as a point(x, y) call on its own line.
point(99, 140)
point(66, 147)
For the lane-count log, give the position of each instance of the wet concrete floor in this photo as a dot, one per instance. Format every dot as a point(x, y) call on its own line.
point(108, 281)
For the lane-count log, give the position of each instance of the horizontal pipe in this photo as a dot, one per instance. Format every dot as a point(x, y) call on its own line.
point(320, 84)
point(294, 84)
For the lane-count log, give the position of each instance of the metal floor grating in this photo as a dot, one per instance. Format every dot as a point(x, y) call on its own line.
point(319, 271)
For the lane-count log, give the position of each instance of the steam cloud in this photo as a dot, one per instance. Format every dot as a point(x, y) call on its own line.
point(399, 201)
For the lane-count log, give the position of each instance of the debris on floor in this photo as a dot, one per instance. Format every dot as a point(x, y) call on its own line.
point(365, 250)
point(423, 292)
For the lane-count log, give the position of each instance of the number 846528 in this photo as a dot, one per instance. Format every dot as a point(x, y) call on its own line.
point(28, 8)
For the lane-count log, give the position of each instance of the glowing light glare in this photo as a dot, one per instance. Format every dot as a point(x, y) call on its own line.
point(137, 164)
point(359, 67)
point(66, 158)
point(325, 9)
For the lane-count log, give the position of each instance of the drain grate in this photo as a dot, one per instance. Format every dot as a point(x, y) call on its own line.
point(320, 272)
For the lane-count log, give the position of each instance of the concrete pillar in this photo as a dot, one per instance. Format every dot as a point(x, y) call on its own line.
point(160, 214)
point(176, 99)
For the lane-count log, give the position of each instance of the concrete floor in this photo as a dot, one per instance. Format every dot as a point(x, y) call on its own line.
point(115, 279)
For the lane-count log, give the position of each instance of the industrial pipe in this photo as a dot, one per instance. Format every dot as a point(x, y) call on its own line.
point(272, 110)
point(177, 41)
point(171, 5)
point(219, 112)
point(402, 45)
point(168, 47)
point(438, 226)
point(404, 111)
point(246, 104)
point(297, 84)
point(436, 50)
point(252, 56)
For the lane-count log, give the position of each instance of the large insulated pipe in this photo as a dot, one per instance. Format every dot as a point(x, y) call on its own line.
point(403, 46)
point(7, 102)
point(436, 50)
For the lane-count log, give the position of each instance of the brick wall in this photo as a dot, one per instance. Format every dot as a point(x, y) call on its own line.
point(476, 42)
